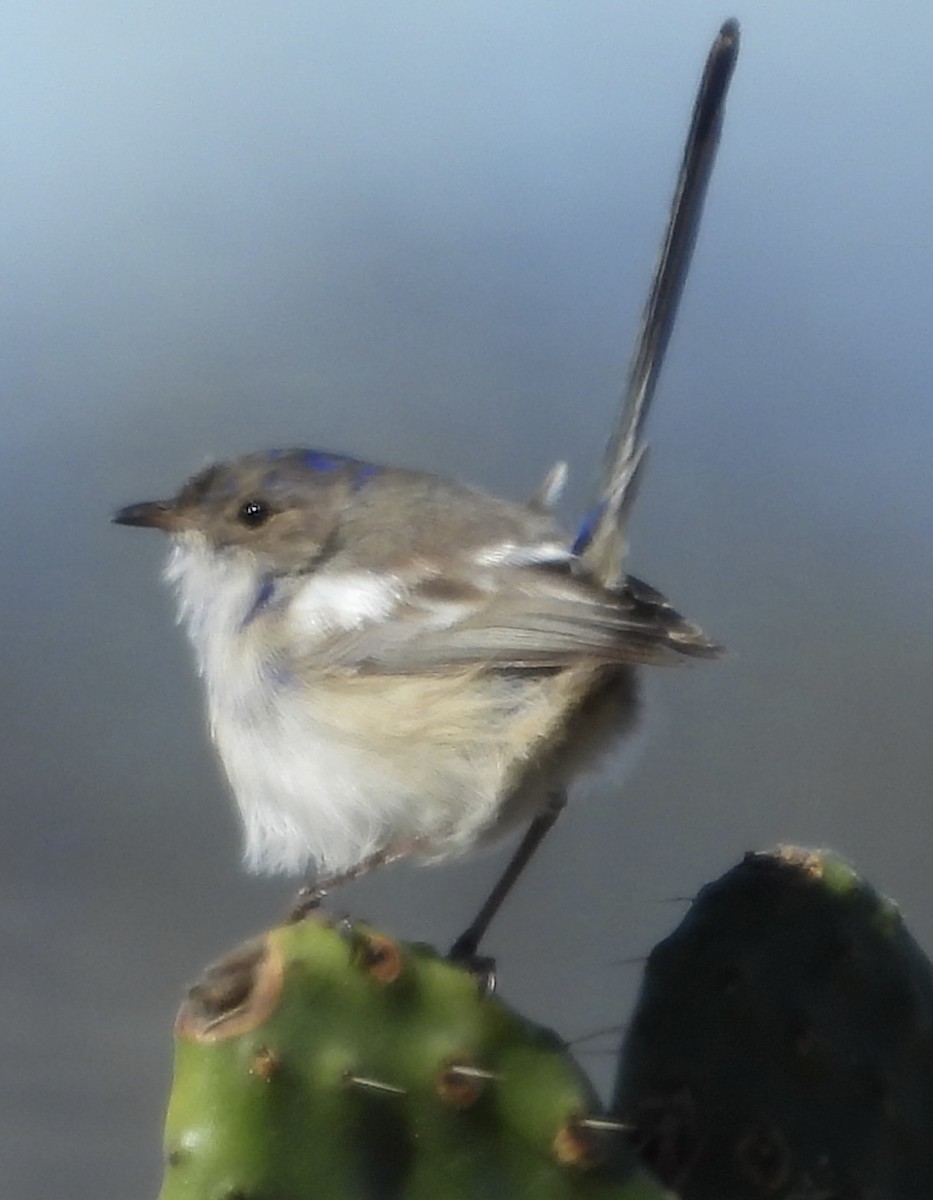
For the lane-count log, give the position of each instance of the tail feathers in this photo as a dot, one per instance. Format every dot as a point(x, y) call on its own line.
point(550, 489)
point(604, 542)
point(678, 632)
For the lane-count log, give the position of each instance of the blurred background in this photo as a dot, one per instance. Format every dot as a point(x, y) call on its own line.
point(423, 233)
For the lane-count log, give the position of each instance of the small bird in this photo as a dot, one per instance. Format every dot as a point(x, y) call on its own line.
point(398, 665)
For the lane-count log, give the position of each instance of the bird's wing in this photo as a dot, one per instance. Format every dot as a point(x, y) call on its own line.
point(506, 611)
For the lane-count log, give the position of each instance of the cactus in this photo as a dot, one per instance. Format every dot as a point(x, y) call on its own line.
point(325, 1060)
point(782, 1044)
point(782, 1047)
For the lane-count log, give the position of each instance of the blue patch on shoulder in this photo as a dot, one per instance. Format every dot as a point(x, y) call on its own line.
point(262, 598)
point(585, 534)
point(278, 674)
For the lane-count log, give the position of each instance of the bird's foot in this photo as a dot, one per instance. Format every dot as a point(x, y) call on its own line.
point(311, 897)
point(463, 954)
point(308, 900)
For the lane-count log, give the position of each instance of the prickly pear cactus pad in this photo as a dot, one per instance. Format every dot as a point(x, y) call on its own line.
point(326, 1061)
point(782, 1045)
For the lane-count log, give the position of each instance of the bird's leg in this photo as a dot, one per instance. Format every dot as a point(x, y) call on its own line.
point(312, 895)
point(464, 948)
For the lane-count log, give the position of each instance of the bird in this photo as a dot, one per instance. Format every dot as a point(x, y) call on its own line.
point(400, 665)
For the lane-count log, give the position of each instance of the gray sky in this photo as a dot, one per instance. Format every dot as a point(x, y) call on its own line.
point(423, 232)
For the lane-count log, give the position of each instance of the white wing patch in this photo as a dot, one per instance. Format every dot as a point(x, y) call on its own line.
point(519, 554)
point(326, 603)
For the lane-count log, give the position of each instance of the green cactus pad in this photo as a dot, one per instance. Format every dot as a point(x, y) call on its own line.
point(782, 1045)
point(326, 1061)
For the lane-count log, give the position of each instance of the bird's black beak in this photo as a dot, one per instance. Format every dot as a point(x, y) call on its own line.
point(151, 514)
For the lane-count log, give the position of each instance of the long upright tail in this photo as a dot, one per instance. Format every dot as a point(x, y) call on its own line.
point(602, 540)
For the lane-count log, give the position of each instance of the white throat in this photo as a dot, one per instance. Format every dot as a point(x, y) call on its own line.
point(215, 593)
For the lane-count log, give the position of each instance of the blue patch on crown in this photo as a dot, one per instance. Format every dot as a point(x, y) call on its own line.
point(319, 460)
point(325, 460)
point(365, 472)
point(314, 460)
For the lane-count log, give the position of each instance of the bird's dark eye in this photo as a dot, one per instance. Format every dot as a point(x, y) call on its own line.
point(253, 513)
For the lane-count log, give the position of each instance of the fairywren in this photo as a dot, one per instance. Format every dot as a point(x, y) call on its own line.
point(400, 665)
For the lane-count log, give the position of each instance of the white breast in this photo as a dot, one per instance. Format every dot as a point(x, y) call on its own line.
point(333, 767)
